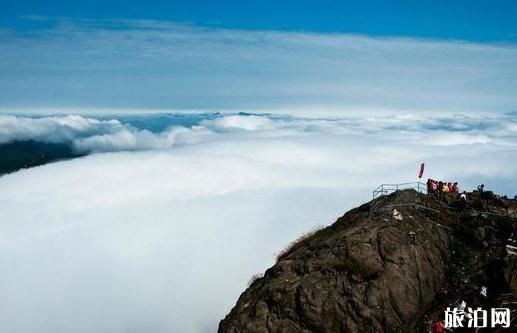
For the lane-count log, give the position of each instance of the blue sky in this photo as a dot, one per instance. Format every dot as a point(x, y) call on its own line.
point(388, 56)
point(474, 20)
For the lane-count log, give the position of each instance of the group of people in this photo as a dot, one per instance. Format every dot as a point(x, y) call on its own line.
point(434, 186)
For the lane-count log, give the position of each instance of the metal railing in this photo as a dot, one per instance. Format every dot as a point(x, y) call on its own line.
point(385, 189)
point(379, 195)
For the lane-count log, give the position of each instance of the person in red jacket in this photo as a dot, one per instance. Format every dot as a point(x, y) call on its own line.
point(438, 327)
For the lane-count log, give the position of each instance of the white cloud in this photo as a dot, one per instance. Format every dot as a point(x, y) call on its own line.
point(249, 123)
point(52, 129)
point(453, 139)
point(89, 134)
point(148, 64)
point(165, 240)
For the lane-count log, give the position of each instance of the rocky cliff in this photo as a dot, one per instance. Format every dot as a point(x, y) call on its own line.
point(387, 270)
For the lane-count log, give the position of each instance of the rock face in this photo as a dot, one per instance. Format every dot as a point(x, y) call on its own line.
point(379, 273)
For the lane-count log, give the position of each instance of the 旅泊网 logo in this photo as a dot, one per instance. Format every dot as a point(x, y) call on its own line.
point(477, 318)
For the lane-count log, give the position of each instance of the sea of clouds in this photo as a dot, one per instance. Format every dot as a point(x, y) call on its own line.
point(162, 225)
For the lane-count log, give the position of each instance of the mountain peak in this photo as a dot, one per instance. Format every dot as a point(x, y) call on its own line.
point(389, 269)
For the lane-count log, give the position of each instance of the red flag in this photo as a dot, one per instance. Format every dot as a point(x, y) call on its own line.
point(421, 172)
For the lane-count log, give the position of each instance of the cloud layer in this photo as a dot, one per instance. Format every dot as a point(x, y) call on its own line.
point(156, 236)
point(121, 133)
point(150, 64)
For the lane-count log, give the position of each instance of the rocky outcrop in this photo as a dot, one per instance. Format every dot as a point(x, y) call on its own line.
point(379, 273)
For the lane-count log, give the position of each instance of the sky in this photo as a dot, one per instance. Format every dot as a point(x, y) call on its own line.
point(304, 57)
point(473, 20)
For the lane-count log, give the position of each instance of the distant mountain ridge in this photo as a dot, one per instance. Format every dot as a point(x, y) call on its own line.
point(377, 273)
point(26, 154)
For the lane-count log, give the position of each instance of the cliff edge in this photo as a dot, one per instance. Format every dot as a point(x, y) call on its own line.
point(387, 268)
